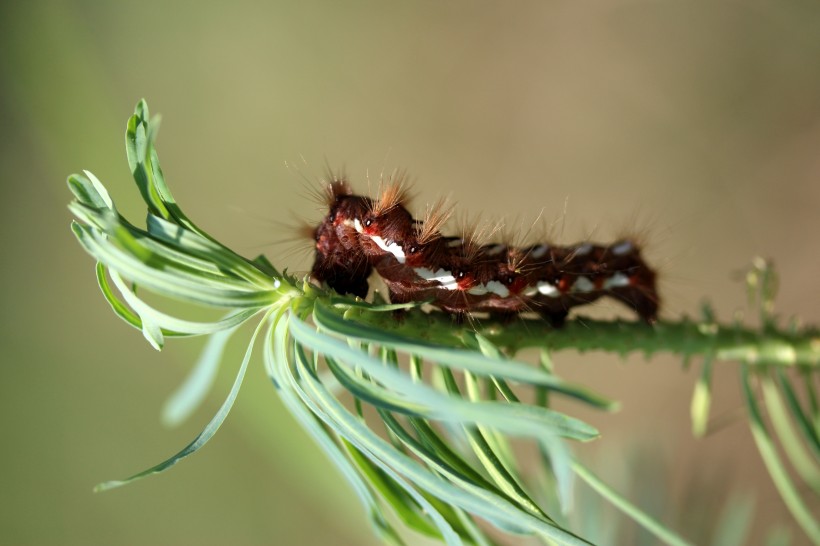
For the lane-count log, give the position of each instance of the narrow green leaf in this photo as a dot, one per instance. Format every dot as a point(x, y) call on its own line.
point(163, 256)
point(542, 394)
point(809, 378)
point(187, 398)
point(208, 251)
point(492, 452)
point(780, 477)
point(150, 326)
point(100, 190)
point(345, 302)
point(89, 191)
point(639, 516)
point(806, 468)
point(119, 307)
point(277, 360)
point(433, 456)
point(518, 419)
point(779, 535)
point(464, 495)
point(264, 265)
point(734, 525)
point(403, 505)
point(160, 188)
point(146, 312)
point(554, 451)
point(137, 145)
point(327, 408)
point(456, 358)
point(363, 390)
point(444, 461)
point(436, 452)
point(168, 283)
point(206, 434)
point(560, 461)
point(804, 424)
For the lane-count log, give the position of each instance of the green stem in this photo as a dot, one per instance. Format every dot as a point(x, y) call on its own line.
point(684, 337)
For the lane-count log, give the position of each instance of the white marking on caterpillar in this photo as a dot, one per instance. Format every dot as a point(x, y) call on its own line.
point(624, 247)
point(547, 289)
point(356, 224)
point(495, 250)
point(539, 252)
point(393, 248)
point(498, 288)
point(442, 276)
point(583, 250)
point(582, 284)
point(492, 287)
point(616, 280)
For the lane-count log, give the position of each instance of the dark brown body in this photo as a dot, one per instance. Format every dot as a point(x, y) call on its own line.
point(461, 277)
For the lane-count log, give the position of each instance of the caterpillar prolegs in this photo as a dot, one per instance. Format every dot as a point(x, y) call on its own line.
point(461, 276)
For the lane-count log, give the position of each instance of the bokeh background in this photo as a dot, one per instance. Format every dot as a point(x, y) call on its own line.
point(697, 123)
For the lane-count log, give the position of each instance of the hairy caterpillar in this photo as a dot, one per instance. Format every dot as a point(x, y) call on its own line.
point(461, 276)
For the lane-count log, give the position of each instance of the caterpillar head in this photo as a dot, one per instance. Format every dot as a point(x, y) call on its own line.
point(340, 261)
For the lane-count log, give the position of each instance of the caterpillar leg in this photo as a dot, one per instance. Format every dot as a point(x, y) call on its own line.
point(357, 286)
point(459, 317)
point(644, 301)
point(555, 317)
point(504, 317)
point(343, 279)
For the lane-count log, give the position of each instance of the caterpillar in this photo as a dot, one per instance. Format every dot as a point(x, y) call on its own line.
point(461, 276)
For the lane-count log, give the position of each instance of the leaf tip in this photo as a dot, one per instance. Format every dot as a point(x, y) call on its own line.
point(106, 486)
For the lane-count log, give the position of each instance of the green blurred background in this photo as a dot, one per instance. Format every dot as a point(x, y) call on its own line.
point(697, 122)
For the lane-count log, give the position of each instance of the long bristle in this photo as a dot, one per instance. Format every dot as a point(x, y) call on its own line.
point(305, 231)
point(475, 233)
point(640, 228)
point(325, 191)
point(334, 184)
point(392, 193)
point(545, 231)
point(516, 238)
point(435, 217)
point(336, 188)
point(516, 258)
point(294, 231)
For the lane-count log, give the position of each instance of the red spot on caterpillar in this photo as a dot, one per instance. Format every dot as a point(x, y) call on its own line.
point(565, 283)
point(458, 274)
